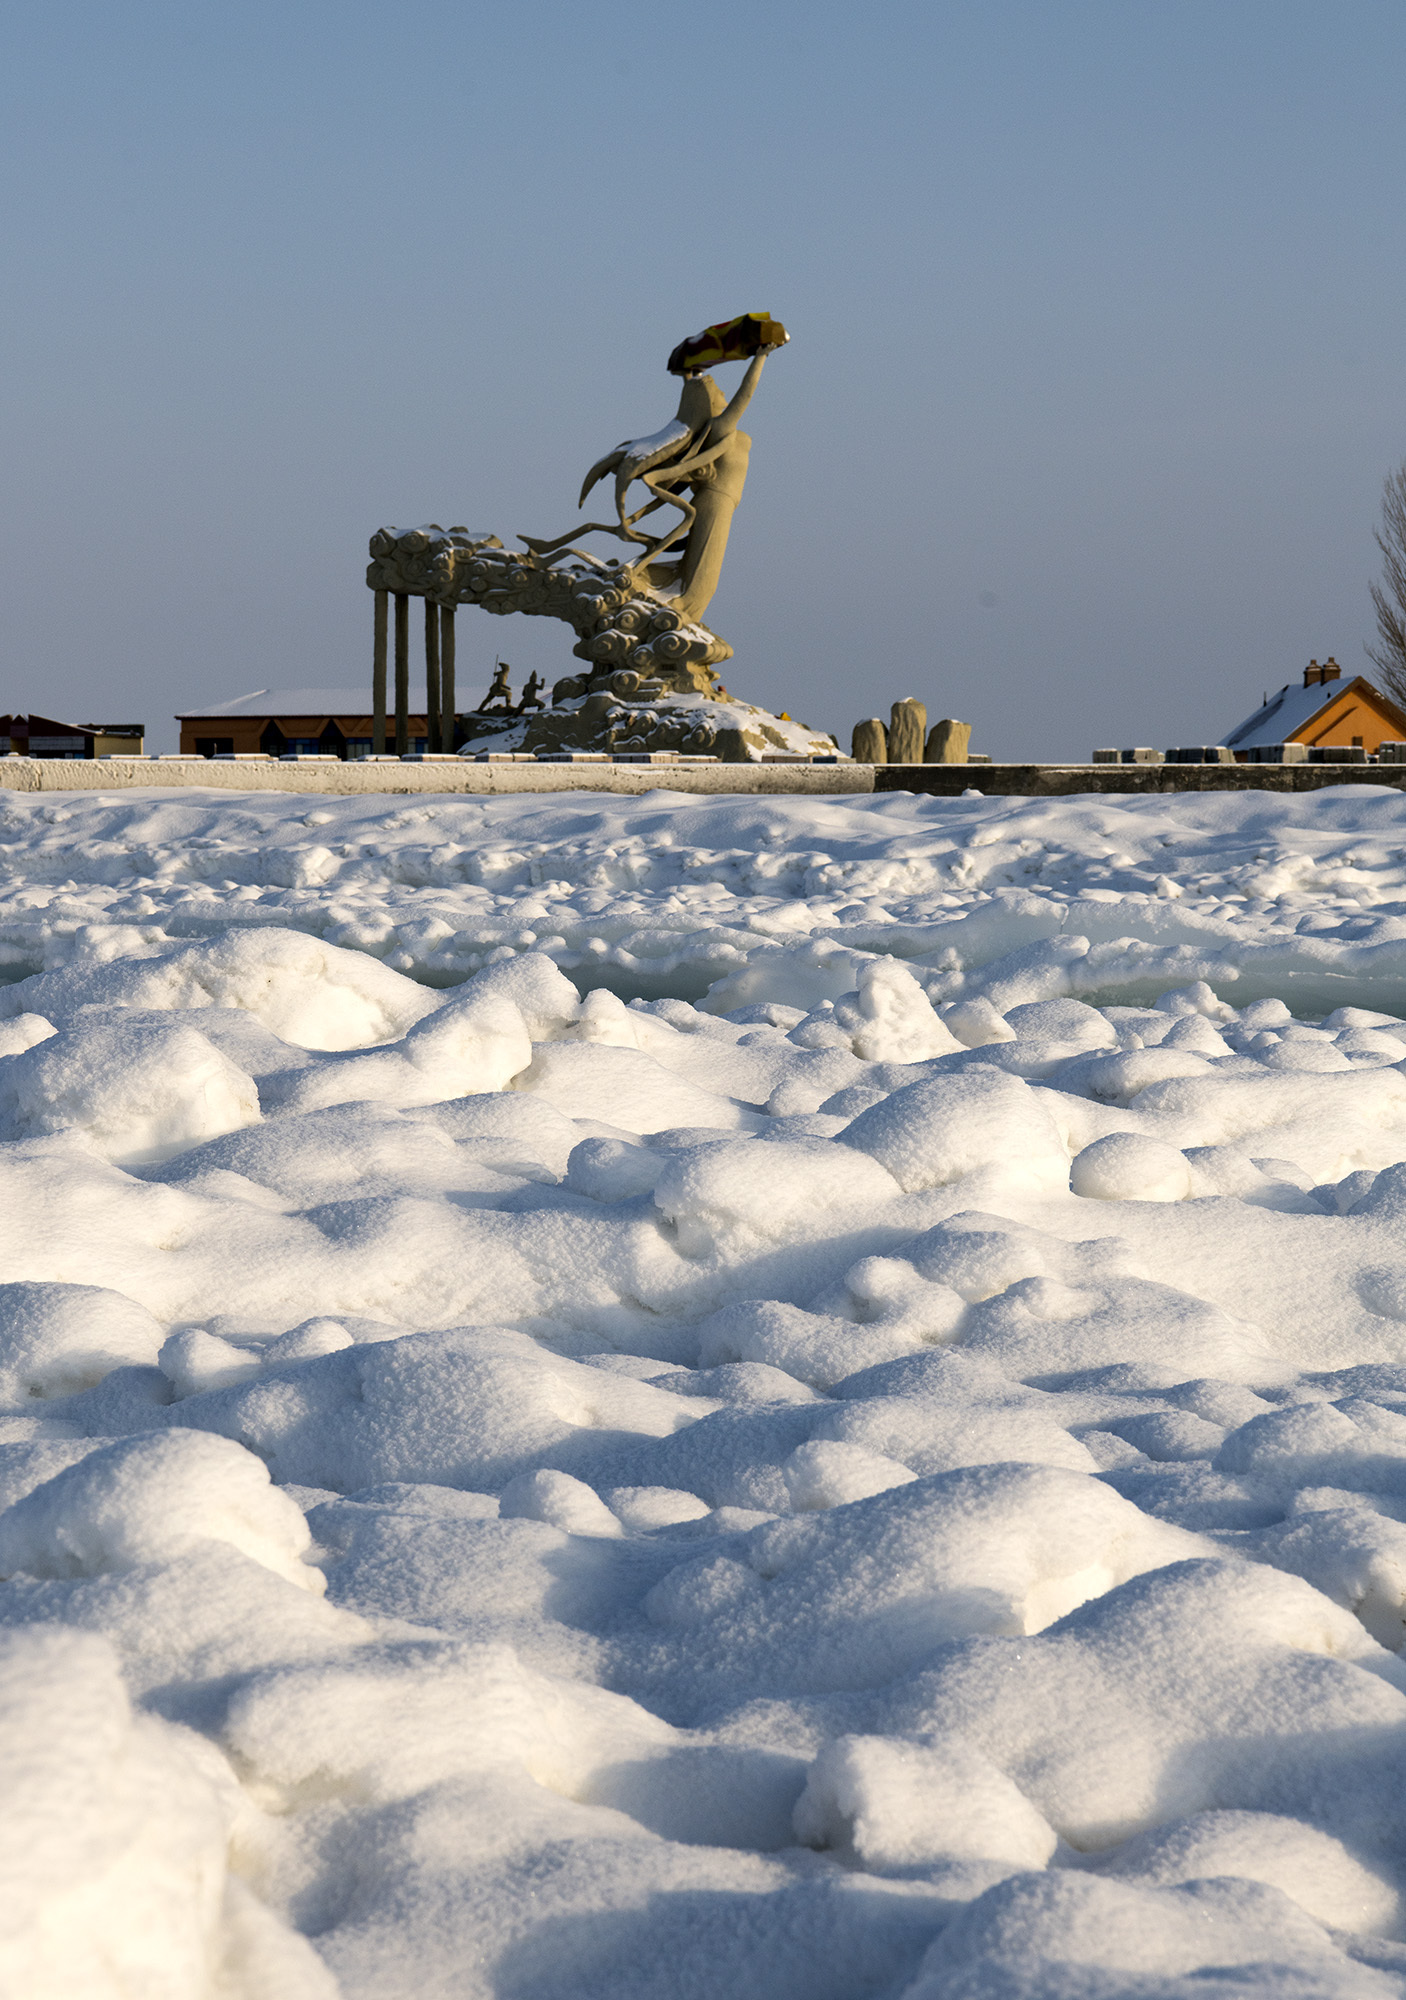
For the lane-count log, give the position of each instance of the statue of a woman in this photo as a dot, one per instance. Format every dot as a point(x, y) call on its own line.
point(697, 463)
point(715, 476)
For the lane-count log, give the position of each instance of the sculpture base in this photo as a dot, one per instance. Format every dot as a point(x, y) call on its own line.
point(648, 679)
point(693, 724)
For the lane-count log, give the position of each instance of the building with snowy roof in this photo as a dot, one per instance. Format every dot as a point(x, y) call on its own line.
point(334, 722)
point(1326, 711)
point(46, 736)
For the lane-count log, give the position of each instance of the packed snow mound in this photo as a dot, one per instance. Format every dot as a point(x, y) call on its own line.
point(114, 1844)
point(22, 1032)
point(893, 1806)
point(56, 1339)
point(1060, 1933)
point(622, 1398)
point(861, 1594)
point(932, 1133)
point(477, 1042)
point(146, 1499)
point(133, 1092)
point(305, 991)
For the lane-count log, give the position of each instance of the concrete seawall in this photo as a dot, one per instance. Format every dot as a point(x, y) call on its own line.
point(1060, 780)
point(363, 779)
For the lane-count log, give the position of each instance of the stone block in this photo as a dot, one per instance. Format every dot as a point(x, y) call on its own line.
point(869, 743)
point(948, 742)
point(907, 727)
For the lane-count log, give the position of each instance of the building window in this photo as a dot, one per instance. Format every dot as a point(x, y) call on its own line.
point(306, 746)
point(214, 746)
point(358, 746)
point(1357, 742)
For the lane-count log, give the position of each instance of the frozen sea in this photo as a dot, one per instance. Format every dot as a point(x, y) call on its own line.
point(702, 1398)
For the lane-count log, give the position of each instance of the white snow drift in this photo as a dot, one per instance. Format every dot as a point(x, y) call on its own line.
point(605, 1399)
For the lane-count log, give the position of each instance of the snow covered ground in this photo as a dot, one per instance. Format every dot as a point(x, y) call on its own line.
point(751, 1398)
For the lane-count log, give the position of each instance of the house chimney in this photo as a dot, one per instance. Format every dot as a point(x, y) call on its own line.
point(1331, 671)
point(1312, 674)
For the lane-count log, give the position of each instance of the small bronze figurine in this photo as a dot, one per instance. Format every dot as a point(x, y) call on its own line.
point(500, 691)
point(531, 694)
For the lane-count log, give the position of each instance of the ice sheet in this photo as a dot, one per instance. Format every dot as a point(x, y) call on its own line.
point(666, 1397)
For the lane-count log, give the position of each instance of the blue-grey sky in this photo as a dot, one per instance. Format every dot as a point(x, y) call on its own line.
point(1096, 313)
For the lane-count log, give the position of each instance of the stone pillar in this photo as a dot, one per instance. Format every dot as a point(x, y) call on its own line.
point(431, 675)
point(448, 702)
point(402, 673)
point(378, 678)
point(948, 742)
point(906, 730)
point(869, 743)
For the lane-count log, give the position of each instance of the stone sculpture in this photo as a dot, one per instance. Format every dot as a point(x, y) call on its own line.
point(948, 742)
point(698, 464)
point(902, 741)
point(869, 743)
point(908, 721)
point(648, 677)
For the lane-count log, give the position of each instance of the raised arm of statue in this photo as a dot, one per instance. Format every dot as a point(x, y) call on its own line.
point(724, 425)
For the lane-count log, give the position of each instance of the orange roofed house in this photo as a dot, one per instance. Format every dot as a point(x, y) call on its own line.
point(1326, 712)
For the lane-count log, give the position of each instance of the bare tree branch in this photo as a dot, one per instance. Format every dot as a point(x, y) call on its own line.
point(1389, 596)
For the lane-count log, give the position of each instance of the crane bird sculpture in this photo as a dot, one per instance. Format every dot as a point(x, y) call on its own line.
point(649, 680)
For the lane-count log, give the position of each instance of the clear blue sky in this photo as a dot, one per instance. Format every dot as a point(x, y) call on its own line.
point(1097, 314)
